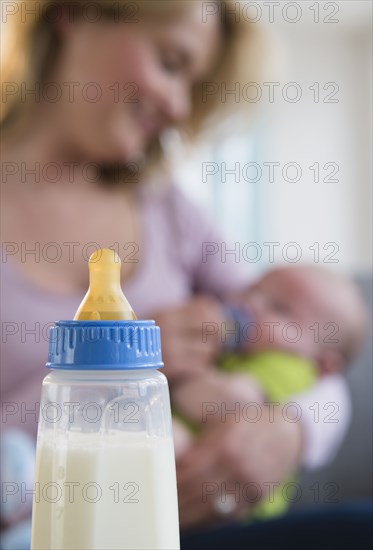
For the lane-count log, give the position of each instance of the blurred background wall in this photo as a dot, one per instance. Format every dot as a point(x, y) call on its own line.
point(315, 123)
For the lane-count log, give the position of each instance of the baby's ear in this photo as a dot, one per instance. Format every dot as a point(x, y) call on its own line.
point(331, 361)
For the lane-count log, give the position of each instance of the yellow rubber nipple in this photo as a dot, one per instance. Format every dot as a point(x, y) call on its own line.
point(104, 300)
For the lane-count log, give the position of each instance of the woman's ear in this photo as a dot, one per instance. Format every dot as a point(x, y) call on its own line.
point(331, 361)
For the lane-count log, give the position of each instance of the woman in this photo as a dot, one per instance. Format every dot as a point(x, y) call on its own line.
point(88, 96)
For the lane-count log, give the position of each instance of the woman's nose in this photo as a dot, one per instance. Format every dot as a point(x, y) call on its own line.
point(178, 104)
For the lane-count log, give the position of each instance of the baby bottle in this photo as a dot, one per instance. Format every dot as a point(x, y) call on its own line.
point(105, 466)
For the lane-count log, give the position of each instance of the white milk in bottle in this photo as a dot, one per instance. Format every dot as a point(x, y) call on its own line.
point(105, 466)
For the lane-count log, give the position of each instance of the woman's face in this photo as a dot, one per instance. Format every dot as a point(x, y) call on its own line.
point(124, 83)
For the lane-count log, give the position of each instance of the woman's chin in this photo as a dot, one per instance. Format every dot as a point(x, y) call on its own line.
point(129, 154)
point(115, 155)
point(106, 151)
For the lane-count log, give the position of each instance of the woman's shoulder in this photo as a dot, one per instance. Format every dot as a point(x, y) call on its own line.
point(166, 193)
point(192, 239)
point(178, 211)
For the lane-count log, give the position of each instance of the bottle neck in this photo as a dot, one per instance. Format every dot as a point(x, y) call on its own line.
point(76, 375)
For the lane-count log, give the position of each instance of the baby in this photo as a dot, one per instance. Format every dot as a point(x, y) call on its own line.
point(307, 311)
point(302, 323)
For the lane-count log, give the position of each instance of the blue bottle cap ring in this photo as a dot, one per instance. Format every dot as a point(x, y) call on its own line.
point(104, 345)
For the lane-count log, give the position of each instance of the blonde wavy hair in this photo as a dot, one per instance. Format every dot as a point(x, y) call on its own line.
point(32, 45)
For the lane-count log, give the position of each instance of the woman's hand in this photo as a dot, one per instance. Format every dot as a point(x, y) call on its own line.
point(239, 458)
point(186, 349)
point(204, 398)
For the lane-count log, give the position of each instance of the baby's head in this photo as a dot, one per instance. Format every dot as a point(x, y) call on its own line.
point(308, 311)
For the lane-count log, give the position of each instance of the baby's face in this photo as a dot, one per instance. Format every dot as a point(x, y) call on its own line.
point(291, 309)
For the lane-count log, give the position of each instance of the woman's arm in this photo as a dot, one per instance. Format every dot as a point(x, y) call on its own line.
point(235, 457)
point(193, 332)
point(241, 455)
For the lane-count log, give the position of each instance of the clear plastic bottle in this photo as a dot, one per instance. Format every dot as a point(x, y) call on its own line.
point(105, 466)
